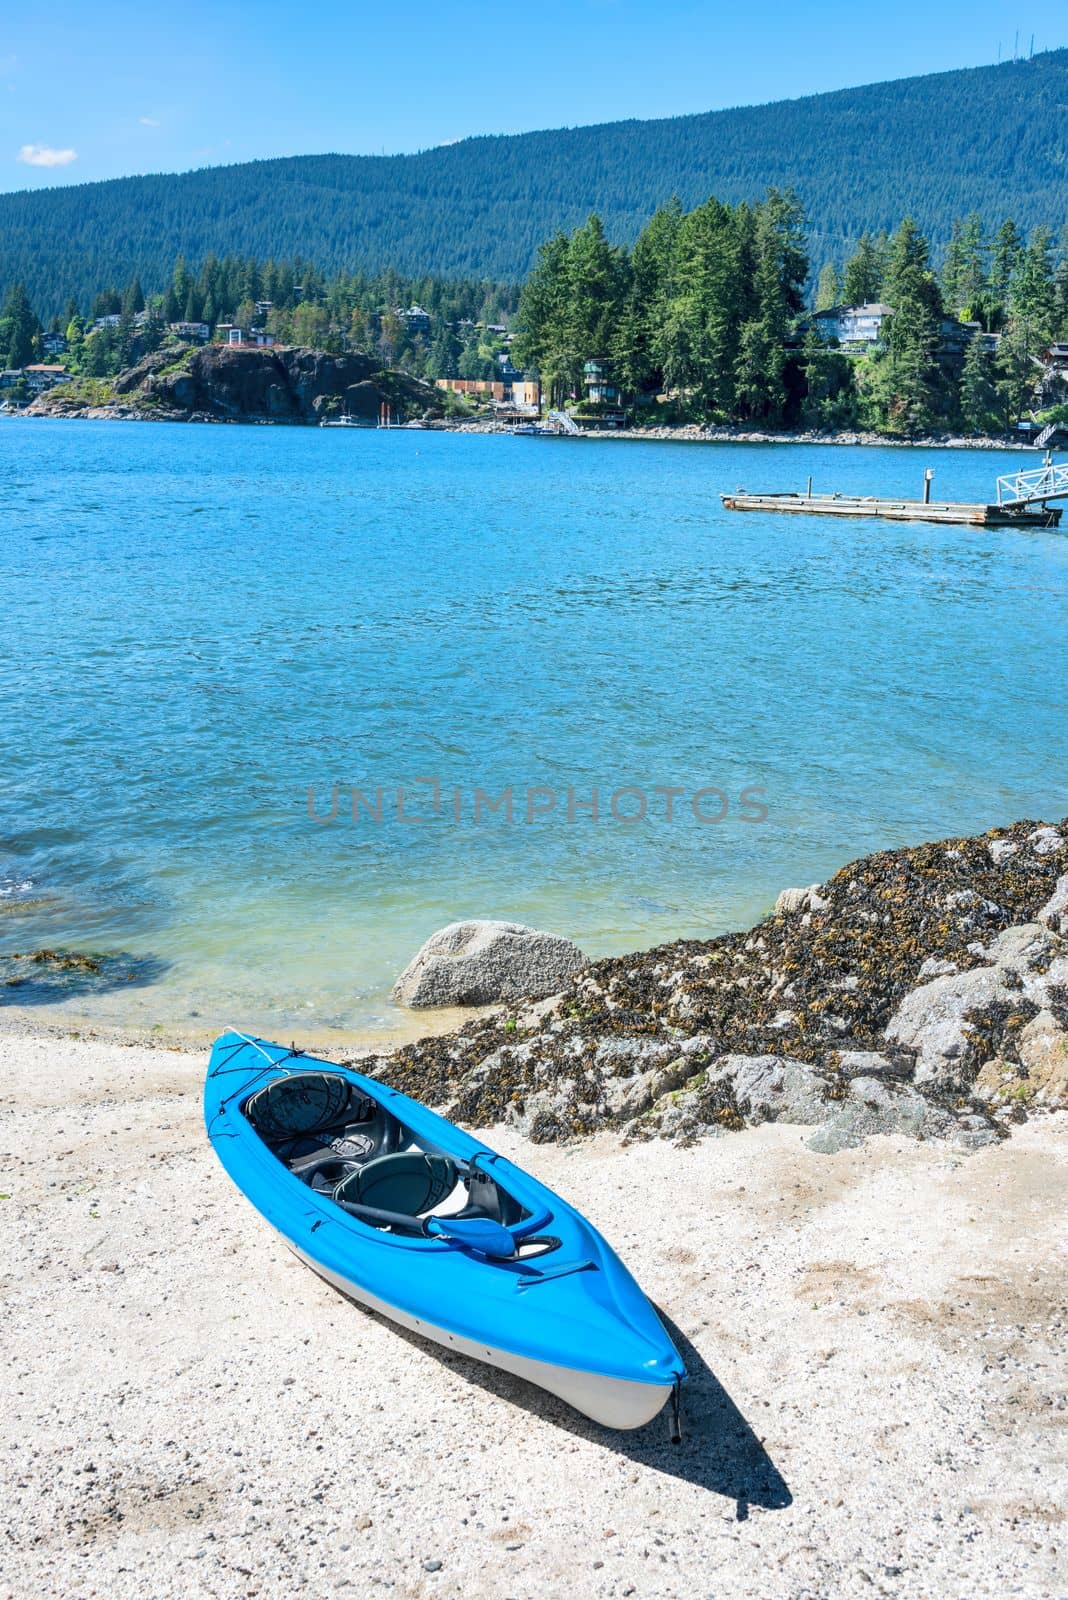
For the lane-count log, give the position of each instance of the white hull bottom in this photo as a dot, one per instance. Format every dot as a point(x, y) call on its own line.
point(613, 1402)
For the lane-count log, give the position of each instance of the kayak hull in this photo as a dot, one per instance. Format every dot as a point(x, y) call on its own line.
point(612, 1402)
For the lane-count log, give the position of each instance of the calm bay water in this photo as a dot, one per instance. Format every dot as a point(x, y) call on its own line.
point(201, 623)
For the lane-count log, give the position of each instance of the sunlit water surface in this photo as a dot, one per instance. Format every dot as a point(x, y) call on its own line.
point(200, 624)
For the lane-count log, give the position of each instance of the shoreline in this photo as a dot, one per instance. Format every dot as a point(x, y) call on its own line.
point(920, 990)
point(680, 433)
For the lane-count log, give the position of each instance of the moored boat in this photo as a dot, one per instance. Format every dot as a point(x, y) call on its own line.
point(404, 1212)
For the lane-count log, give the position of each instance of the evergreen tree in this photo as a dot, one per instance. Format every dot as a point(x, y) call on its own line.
point(829, 288)
point(19, 329)
point(697, 347)
point(979, 399)
point(596, 276)
point(1005, 259)
point(953, 269)
point(1032, 292)
point(652, 269)
point(133, 301)
point(863, 280)
point(972, 283)
point(1016, 373)
point(540, 318)
point(781, 270)
point(908, 379)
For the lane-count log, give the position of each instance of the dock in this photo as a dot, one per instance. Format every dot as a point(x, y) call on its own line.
point(1022, 502)
point(849, 505)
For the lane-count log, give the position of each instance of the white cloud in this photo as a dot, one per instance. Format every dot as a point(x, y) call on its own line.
point(43, 155)
point(148, 122)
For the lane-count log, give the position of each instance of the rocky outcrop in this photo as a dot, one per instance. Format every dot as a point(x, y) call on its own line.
point(941, 1022)
point(480, 962)
point(224, 383)
point(919, 993)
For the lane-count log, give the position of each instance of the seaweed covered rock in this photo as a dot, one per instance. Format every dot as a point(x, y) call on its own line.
point(479, 962)
point(1054, 914)
point(910, 970)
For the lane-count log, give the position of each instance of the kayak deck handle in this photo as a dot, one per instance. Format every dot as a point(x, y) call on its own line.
point(563, 1269)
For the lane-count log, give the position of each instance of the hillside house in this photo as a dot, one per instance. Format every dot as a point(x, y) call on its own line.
point(243, 338)
point(54, 344)
point(859, 327)
point(415, 319)
point(199, 332)
point(41, 375)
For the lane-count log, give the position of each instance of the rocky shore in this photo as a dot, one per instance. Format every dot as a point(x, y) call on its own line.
point(222, 383)
point(702, 433)
point(921, 991)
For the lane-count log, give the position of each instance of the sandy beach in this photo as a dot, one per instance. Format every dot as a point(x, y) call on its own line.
point(875, 1340)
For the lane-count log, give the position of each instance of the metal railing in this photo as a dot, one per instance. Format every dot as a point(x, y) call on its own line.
point(1047, 482)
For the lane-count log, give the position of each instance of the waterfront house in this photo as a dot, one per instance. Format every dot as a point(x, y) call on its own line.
point(10, 377)
point(41, 375)
point(524, 393)
point(600, 387)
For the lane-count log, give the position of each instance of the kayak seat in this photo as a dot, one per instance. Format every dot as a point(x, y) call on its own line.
point(410, 1182)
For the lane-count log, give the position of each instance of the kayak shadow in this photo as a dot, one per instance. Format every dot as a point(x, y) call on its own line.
point(719, 1451)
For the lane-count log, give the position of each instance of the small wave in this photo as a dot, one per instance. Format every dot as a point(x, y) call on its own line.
point(12, 888)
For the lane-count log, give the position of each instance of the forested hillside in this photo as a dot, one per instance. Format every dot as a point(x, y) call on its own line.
point(989, 140)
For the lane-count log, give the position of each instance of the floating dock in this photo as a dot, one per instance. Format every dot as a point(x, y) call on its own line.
point(1022, 502)
point(848, 505)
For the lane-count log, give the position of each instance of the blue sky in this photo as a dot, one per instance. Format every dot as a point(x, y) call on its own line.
point(97, 90)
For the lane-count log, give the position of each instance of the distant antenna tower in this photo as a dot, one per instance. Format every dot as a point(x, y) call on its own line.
point(1016, 46)
point(1031, 57)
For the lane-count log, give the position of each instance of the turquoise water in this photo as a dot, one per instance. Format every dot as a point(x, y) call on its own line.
point(200, 623)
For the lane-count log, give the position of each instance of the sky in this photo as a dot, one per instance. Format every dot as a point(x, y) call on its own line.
point(103, 88)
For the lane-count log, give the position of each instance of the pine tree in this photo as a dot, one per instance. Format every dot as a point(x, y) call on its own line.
point(1016, 373)
point(133, 301)
point(909, 378)
point(953, 269)
point(1005, 259)
point(979, 401)
point(781, 269)
point(596, 275)
point(19, 328)
point(829, 288)
point(539, 321)
point(862, 283)
point(652, 270)
point(972, 285)
point(1032, 293)
point(697, 344)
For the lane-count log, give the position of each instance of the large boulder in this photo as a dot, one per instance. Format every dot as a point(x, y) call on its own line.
point(481, 962)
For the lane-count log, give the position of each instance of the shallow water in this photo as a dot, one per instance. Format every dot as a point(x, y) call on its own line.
point(202, 623)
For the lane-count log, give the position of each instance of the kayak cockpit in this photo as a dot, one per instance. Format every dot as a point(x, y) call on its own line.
point(345, 1144)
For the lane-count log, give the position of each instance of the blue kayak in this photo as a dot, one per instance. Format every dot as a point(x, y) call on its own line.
point(406, 1213)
